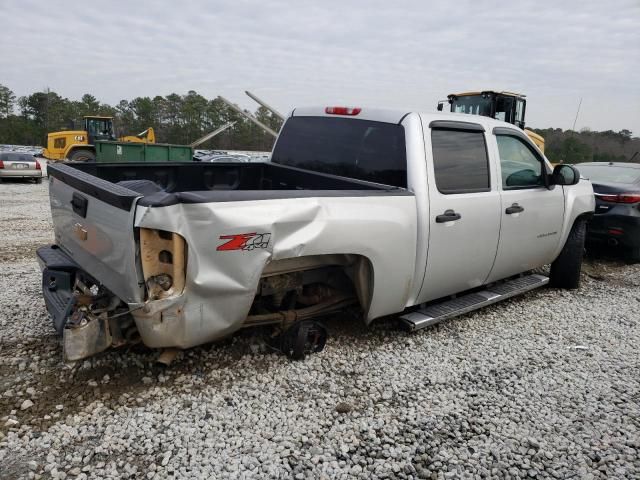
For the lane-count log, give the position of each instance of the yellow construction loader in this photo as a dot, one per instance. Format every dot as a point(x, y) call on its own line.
point(79, 145)
point(506, 106)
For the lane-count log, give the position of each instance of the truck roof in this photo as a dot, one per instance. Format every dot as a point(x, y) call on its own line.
point(479, 92)
point(397, 115)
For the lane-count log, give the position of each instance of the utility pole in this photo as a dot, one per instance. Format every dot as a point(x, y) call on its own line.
point(249, 116)
point(576, 119)
point(46, 111)
point(261, 102)
point(212, 134)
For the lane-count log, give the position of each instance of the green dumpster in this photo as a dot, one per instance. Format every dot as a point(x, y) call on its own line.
point(127, 152)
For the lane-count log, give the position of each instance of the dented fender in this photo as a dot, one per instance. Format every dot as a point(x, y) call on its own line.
point(229, 245)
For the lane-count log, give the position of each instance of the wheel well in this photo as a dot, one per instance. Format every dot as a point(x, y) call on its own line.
point(344, 273)
point(584, 216)
point(76, 147)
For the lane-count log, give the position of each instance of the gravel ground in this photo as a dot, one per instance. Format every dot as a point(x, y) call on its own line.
point(542, 386)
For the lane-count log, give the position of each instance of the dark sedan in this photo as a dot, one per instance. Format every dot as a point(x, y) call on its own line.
point(617, 218)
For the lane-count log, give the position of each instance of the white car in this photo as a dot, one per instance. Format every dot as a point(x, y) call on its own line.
point(20, 165)
point(424, 215)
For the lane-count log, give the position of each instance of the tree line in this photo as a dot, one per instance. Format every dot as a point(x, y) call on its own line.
point(181, 119)
point(177, 119)
point(568, 146)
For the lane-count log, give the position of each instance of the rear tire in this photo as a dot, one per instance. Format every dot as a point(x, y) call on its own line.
point(81, 155)
point(565, 270)
point(39, 180)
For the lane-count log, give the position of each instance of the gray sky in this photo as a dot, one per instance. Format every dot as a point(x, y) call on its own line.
point(406, 54)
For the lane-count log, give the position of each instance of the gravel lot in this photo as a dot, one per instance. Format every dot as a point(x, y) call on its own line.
point(542, 386)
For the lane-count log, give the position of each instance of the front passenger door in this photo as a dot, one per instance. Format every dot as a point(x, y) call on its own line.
point(531, 214)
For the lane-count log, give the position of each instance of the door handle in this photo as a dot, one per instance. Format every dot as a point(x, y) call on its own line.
point(448, 216)
point(515, 208)
point(79, 204)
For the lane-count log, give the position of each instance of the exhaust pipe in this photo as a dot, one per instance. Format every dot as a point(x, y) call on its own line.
point(612, 242)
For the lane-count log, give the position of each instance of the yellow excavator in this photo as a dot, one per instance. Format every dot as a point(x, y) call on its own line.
point(79, 145)
point(506, 106)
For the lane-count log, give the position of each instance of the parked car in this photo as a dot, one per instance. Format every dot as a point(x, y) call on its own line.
point(428, 215)
point(227, 159)
point(20, 165)
point(617, 217)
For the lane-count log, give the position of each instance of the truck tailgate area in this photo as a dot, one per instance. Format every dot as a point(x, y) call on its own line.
point(93, 224)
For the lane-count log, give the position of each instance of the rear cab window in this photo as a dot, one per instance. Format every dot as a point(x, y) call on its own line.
point(360, 149)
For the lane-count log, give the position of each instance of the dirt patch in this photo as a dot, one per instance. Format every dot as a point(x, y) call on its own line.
point(607, 269)
point(13, 253)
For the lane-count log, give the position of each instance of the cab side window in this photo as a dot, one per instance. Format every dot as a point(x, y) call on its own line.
point(460, 161)
point(521, 166)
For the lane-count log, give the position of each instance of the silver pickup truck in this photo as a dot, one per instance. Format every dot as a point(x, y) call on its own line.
point(425, 215)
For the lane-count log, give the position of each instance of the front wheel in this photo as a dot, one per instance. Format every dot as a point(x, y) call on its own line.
point(81, 155)
point(565, 270)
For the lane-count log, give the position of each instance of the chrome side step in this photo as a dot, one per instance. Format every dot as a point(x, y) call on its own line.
point(435, 313)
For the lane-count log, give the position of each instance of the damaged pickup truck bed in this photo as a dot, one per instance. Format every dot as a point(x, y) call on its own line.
point(373, 210)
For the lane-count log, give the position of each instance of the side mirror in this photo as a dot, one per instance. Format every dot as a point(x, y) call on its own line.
point(565, 175)
point(439, 106)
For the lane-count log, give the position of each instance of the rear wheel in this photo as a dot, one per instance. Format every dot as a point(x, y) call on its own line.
point(565, 270)
point(300, 339)
point(39, 180)
point(82, 155)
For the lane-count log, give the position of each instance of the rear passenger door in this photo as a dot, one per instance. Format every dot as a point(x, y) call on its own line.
point(464, 209)
point(531, 213)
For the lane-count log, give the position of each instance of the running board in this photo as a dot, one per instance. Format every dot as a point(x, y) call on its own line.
point(437, 312)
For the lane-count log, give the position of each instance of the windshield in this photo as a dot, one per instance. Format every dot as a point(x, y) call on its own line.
point(504, 108)
point(473, 104)
point(362, 149)
point(101, 128)
point(610, 173)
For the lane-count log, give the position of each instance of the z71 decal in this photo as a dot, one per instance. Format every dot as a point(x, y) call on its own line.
point(244, 241)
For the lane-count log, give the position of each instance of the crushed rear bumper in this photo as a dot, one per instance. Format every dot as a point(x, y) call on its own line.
point(83, 333)
point(58, 279)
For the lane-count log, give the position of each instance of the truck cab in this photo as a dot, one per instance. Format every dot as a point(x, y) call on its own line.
point(99, 128)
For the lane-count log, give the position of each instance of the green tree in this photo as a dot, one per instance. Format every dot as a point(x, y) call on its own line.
point(573, 150)
point(7, 101)
point(271, 121)
point(89, 104)
point(34, 107)
point(173, 118)
point(143, 110)
point(194, 110)
point(124, 118)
